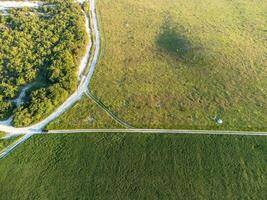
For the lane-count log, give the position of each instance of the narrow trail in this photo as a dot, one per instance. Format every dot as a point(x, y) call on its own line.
point(18, 101)
point(109, 112)
point(5, 152)
point(94, 44)
point(160, 131)
point(11, 147)
point(27, 132)
point(86, 58)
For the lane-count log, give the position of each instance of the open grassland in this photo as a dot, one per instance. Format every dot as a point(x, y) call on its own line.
point(184, 64)
point(85, 114)
point(125, 166)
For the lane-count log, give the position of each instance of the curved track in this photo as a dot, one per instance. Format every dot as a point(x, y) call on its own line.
point(84, 80)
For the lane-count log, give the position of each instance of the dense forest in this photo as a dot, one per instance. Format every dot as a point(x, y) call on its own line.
point(41, 46)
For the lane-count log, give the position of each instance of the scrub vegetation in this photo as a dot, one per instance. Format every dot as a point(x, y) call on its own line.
point(85, 114)
point(136, 166)
point(184, 64)
point(42, 46)
point(2, 134)
point(6, 142)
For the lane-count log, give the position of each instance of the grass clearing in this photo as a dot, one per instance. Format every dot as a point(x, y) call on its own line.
point(136, 166)
point(85, 114)
point(184, 64)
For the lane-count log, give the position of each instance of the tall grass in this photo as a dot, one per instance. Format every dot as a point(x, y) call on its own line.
point(184, 64)
point(137, 166)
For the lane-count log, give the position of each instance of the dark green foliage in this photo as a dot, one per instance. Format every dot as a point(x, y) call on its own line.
point(45, 43)
point(86, 7)
point(42, 102)
point(6, 109)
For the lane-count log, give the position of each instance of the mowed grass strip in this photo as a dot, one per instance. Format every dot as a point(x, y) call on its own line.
point(184, 64)
point(136, 166)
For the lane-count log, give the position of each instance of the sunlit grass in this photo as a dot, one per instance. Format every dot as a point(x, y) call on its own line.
point(85, 114)
point(184, 64)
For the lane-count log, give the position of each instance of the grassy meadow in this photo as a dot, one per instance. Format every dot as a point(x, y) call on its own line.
point(85, 114)
point(184, 64)
point(136, 166)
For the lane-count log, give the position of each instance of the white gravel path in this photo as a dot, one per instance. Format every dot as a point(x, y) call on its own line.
point(82, 88)
point(4, 5)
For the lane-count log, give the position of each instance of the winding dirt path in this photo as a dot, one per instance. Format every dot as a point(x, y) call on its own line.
point(84, 79)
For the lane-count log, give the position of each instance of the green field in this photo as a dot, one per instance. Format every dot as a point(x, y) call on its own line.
point(164, 64)
point(136, 166)
point(184, 64)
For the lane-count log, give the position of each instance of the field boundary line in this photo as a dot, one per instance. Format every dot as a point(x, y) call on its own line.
point(108, 111)
point(159, 131)
point(6, 151)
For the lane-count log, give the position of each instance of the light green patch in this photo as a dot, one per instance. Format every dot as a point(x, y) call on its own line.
point(85, 114)
point(184, 64)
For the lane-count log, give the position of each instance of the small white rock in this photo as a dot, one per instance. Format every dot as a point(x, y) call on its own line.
point(219, 121)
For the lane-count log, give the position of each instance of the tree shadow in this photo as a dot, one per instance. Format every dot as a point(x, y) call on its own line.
point(171, 40)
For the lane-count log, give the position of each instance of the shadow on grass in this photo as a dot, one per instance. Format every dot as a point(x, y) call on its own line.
point(173, 42)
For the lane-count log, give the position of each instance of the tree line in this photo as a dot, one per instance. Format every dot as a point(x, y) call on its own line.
point(40, 44)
